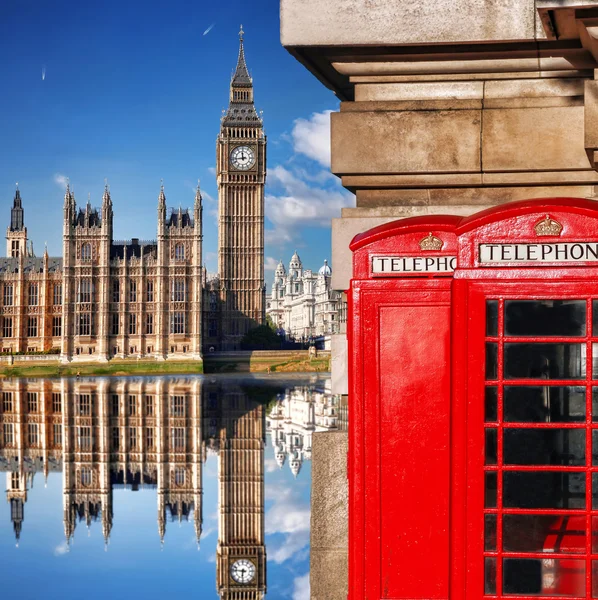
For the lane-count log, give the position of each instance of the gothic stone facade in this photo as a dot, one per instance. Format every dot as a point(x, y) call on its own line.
point(104, 298)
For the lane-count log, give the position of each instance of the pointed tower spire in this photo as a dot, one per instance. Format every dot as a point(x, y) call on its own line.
point(241, 110)
point(67, 194)
point(198, 197)
point(106, 199)
point(162, 196)
point(16, 213)
point(241, 76)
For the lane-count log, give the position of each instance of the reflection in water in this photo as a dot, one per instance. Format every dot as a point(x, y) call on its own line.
point(135, 433)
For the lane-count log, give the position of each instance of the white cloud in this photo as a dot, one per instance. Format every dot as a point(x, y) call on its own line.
point(271, 465)
point(60, 180)
point(270, 264)
point(301, 589)
point(312, 137)
point(61, 549)
point(300, 204)
point(212, 170)
point(290, 517)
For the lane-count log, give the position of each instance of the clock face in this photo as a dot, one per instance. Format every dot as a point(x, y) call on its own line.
point(243, 571)
point(242, 158)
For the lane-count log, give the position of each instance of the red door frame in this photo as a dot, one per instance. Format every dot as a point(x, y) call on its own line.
point(505, 224)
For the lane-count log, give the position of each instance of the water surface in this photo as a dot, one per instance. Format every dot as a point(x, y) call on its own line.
point(157, 487)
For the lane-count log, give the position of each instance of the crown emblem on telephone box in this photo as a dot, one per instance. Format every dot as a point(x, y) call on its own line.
point(431, 242)
point(548, 226)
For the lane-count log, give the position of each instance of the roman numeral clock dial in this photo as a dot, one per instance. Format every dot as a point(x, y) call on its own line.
point(243, 571)
point(242, 158)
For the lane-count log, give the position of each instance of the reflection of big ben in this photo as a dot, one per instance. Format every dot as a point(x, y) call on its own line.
point(241, 552)
point(241, 173)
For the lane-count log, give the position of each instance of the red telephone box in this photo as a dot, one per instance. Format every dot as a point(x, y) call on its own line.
point(473, 467)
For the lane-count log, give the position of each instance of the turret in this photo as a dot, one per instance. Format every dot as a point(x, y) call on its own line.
point(16, 233)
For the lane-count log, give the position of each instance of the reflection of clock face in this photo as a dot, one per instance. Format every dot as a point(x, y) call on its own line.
point(242, 158)
point(243, 571)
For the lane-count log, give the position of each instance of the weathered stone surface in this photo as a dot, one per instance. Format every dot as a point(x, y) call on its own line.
point(534, 139)
point(329, 517)
point(533, 88)
point(406, 142)
point(329, 577)
point(462, 90)
point(591, 116)
point(317, 23)
point(339, 364)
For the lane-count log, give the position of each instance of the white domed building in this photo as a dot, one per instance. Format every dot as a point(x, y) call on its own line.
point(302, 303)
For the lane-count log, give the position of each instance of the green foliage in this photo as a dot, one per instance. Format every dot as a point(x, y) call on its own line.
point(262, 337)
point(270, 323)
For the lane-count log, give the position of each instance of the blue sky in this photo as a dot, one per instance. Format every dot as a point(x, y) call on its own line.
point(133, 92)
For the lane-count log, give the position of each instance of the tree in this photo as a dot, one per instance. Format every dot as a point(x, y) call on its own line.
point(261, 338)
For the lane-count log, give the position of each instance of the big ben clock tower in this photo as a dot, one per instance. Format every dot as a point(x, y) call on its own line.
point(241, 173)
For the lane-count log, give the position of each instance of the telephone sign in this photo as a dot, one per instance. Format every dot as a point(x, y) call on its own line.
point(473, 454)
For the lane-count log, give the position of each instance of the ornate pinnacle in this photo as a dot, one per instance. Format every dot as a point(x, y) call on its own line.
point(241, 32)
point(162, 196)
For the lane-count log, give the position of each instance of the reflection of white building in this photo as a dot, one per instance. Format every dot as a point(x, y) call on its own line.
point(295, 417)
point(302, 302)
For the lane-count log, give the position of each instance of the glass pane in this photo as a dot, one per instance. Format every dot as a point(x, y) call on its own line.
point(491, 361)
point(595, 579)
point(595, 318)
point(595, 447)
point(544, 361)
point(490, 575)
point(491, 446)
point(546, 489)
point(595, 404)
point(491, 404)
point(595, 535)
point(563, 447)
point(595, 491)
point(544, 533)
point(561, 318)
point(545, 404)
point(490, 492)
point(490, 533)
point(492, 318)
point(546, 577)
point(522, 576)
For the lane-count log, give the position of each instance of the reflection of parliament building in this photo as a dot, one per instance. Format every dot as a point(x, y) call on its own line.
point(106, 299)
point(137, 433)
point(298, 413)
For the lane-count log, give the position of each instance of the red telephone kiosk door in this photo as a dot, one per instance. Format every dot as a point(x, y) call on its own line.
point(525, 409)
point(400, 343)
point(473, 453)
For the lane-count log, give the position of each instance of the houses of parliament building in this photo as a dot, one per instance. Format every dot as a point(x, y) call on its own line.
point(104, 298)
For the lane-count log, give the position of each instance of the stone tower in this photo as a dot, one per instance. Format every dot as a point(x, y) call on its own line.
point(241, 550)
point(241, 176)
point(16, 234)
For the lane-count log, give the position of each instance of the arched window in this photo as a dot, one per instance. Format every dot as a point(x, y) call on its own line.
point(86, 477)
point(179, 477)
point(179, 252)
point(86, 252)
